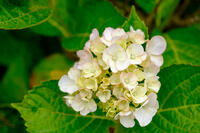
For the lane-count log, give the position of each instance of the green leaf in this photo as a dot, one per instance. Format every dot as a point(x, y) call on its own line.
point(136, 22)
point(44, 110)
point(147, 5)
point(75, 24)
point(19, 14)
point(50, 68)
point(179, 100)
point(165, 11)
point(183, 46)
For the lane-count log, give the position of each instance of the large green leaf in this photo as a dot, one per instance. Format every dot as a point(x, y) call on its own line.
point(50, 68)
point(147, 5)
point(44, 109)
point(19, 14)
point(75, 24)
point(136, 22)
point(165, 11)
point(183, 46)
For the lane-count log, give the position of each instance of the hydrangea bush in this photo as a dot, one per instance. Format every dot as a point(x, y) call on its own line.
point(117, 75)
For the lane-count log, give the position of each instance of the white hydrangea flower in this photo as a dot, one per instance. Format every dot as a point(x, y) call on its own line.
point(129, 80)
point(115, 79)
point(146, 112)
point(67, 85)
point(155, 47)
point(139, 94)
point(91, 83)
point(118, 91)
point(95, 44)
point(123, 104)
point(104, 95)
point(153, 83)
point(90, 68)
point(116, 58)
point(115, 70)
point(84, 56)
point(126, 118)
point(83, 106)
point(85, 94)
point(112, 36)
point(136, 36)
point(140, 74)
point(136, 53)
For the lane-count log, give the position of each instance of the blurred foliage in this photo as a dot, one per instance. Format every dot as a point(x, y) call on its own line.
point(44, 49)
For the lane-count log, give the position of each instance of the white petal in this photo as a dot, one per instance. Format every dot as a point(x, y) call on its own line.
point(67, 85)
point(89, 106)
point(84, 112)
point(157, 60)
point(136, 53)
point(129, 80)
point(131, 29)
point(74, 73)
point(127, 121)
point(140, 99)
point(87, 46)
point(115, 57)
point(135, 49)
point(153, 83)
point(92, 105)
point(77, 104)
point(156, 45)
point(139, 94)
point(108, 33)
point(68, 100)
point(113, 66)
point(151, 69)
point(107, 36)
point(121, 65)
point(145, 113)
point(94, 34)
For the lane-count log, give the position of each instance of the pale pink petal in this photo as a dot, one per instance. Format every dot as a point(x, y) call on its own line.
point(94, 35)
point(156, 45)
point(146, 112)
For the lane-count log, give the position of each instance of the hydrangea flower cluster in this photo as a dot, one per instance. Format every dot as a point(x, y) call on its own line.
point(117, 74)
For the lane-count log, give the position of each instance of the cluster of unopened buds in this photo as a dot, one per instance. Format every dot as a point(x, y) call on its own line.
point(117, 74)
